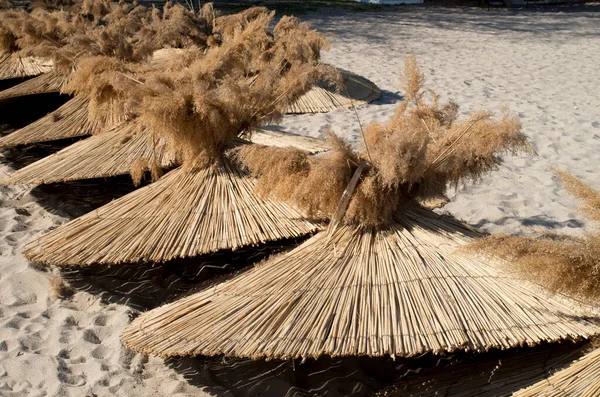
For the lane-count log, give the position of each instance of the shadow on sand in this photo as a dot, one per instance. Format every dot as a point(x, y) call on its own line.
point(444, 375)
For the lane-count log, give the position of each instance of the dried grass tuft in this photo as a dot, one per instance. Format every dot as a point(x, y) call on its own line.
point(59, 289)
point(235, 74)
point(138, 168)
point(562, 263)
point(590, 198)
point(413, 157)
point(231, 89)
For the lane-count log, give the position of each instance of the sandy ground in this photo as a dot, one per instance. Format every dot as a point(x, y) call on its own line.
point(544, 65)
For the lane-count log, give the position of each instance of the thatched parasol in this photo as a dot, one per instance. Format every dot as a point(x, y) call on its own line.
point(43, 84)
point(322, 98)
point(111, 153)
point(402, 291)
point(71, 120)
point(185, 213)
point(116, 151)
point(15, 66)
point(581, 379)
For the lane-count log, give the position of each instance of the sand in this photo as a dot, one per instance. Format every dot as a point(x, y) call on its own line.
point(544, 65)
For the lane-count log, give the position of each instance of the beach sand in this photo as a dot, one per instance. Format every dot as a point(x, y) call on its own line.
point(544, 65)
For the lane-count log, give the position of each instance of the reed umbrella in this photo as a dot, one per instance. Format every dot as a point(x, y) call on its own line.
point(116, 152)
point(14, 66)
point(402, 291)
point(323, 97)
point(71, 120)
point(355, 90)
point(581, 379)
point(187, 212)
point(44, 84)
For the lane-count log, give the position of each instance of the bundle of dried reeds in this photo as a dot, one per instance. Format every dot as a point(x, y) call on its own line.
point(185, 213)
point(384, 281)
point(562, 263)
point(398, 291)
point(14, 66)
point(354, 91)
point(414, 156)
point(122, 150)
point(247, 76)
point(44, 84)
point(68, 121)
point(126, 149)
point(581, 379)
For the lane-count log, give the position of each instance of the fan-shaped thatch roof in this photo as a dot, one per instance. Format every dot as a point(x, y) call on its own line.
point(581, 379)
point(69, 121)
point(481, 375)
point(14, 66)
point(400, 292)
point(43, 84)
point(356, 91)
point(115, 151)
point(110, 153)
point(185, 213)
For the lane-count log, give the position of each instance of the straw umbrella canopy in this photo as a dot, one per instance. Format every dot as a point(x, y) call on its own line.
point(119, 150)
point(15, 66)
point(385, 279)
point(43, 84)
point(355, 90)
point(581, 379)
point(185, 213)
point(71, 120)
point(323, 97)
point(402, 292)
point(111, 153)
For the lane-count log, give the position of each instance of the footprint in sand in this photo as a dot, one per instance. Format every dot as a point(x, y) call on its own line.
point(100, 353)
point(15, 323)
point(91, 337)
point(100, 320)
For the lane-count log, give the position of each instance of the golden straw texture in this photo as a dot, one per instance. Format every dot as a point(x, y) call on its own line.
point(288, 139)
point(111, 153)
point(186, 213)
point(14, 66)
point(69, 121)
point(581, 379)
point(119, 150)
point(355, 91)
point(46, 83)
point(401, 291)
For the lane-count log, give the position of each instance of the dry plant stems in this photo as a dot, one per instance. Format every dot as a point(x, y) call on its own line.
point(562, 263)
point(402, 291)
point(59, 289)
point(124, 149)
point(322, 97)
point(581, 379)
point(245, 77)
point(69, 121)
point(46, 83)
point(185, 213)
point(415, 156)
